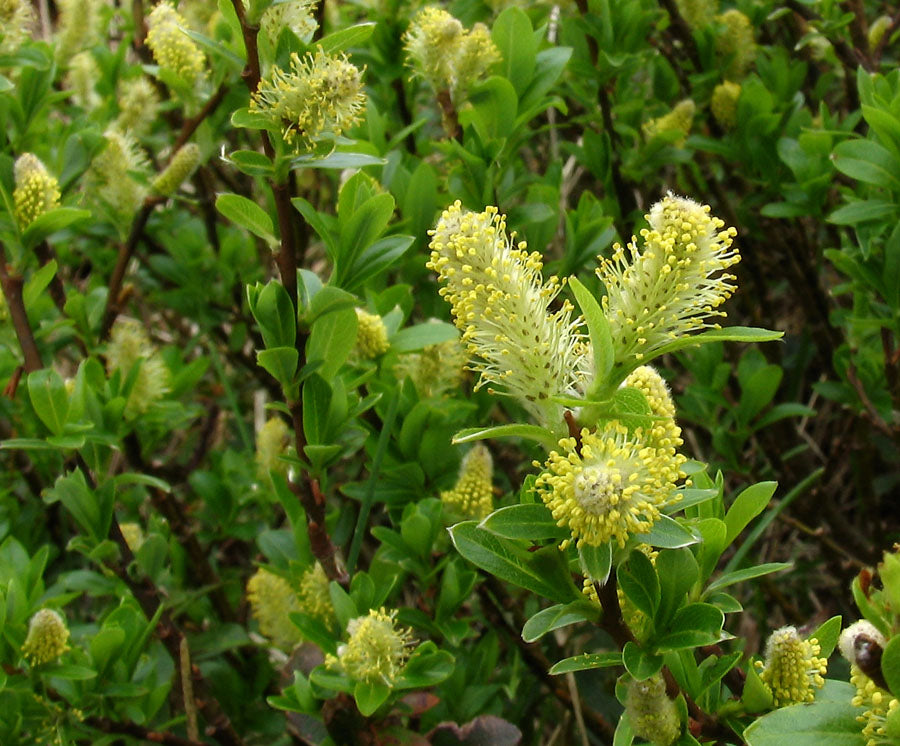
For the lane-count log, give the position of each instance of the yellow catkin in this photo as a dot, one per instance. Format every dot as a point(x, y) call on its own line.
point(315, 598)
point(697, 13)
point(133, 535)
point(878, 706)
point(614, 488)
point(436, 370)
point(678, 120)
point(78, 27)
point(296, 15)
point(671, 286)
point(172, 48)
point(110, 180)
point(735, 43)
point(792, 669)
point(320, 97)
point(449, 56)
point(178, 171)
point(653, 716)
point(83, 74)
point(16, 20)
point(272, 600)
point(371, 335)
point(47, 637)
point(376, 649)
point(472, 496)
point(499, 300)
point(36, 190)
point(724, 103)
point(138, 106)
point(271, 443)
point(128, 346)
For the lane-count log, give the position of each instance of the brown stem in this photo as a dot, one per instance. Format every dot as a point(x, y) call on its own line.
point(449, 117)
point(126, 251)
point(307, 491)
point(45, 255)
point(190, 125)
point(12, 285)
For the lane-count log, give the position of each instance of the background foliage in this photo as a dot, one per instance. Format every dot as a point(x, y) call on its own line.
point(244, 282)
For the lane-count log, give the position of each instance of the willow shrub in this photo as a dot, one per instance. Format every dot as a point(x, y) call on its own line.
point(367, 376)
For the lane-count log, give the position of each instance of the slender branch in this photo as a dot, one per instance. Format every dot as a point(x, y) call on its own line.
point(12, 285)
point(308, 491)
point(192, 123)
point(126, 251)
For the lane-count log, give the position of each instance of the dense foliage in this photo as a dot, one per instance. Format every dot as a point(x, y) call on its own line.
point(367, 380)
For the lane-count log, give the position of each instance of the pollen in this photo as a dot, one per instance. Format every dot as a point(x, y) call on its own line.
point(47, 637)
point(792, 669)
point(673, 285)
point(376, 649)
point(472, 496)
point(272, 600)
point(371, 335)
point(172, 48)
point(499, 301)
point(613, 488)
point(36, 190)
point(319, 98)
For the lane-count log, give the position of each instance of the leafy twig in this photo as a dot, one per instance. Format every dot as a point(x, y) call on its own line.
point(12, 285)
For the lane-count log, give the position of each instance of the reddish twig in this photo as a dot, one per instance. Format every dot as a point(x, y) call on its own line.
point(12, 285)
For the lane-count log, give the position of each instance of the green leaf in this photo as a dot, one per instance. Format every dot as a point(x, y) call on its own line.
point(530, 432)
point(369, 697)
point(426, 667)
point(316, 405)
point(829, 721)
point(598, 329)
point(48, 395)
point(281, 363)
point(376, 258)
point(867, 161)
point(338, 161)
point(747, 573)
point(746, 334)
point(252, 163)
point(596, 562)
point(640, 663)
point(667, 533)
point(638, 581)
point(422, 335)
point(746, 506)
point(586, 661)
point(353, 36)
point(38, 283)
point(541, 572)
point(560, 615)
point(344, 606)
point(890, 665)
point(69, 672)
point(274, 312)
point(863, 211)
point(247, 214)
point(50, 222)
point(331, 340)
point(827, 635)
point(549, 65)
point(514, 37)
point(756, 697)
point(494, 106)
point(529, 521)
point(692, 625)
point(677, 571)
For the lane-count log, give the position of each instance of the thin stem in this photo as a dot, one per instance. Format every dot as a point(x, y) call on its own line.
point(12, 285)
